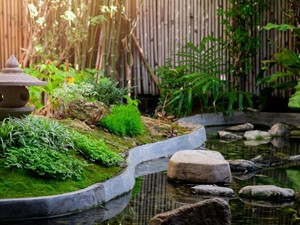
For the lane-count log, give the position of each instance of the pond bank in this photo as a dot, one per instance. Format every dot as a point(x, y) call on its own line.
point(100, 193)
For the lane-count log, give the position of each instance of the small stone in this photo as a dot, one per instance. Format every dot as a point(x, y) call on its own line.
point(279, 130)
point(257, 135)
point(241, 127)
point(268, 193)
point(225, 135)
point(212, 190)
point(244, 166)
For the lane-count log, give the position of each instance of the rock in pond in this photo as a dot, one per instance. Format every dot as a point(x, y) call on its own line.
point(212, 211)
point(243, 166)
point(241, 127)
point(212, 190)
point(257, 135)
point(279, 130)
point(267, 193)
point(199, 166)
point(225, 135)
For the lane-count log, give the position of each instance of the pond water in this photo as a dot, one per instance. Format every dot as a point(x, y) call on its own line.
point(153, 194)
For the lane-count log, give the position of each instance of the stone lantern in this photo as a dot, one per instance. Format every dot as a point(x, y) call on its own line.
point(13, 92)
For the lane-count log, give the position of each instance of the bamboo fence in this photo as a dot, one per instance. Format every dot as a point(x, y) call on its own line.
point(151, 32)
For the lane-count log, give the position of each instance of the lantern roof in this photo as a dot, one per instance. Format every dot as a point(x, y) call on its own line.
point(12, 75)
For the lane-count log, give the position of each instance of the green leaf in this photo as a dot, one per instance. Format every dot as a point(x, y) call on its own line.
point(281, 27)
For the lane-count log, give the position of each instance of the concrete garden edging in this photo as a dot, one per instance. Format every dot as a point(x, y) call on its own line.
point(99, 193)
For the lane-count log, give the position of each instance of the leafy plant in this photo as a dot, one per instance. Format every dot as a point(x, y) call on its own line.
point(108, 92)
point(73, 91)
point(34, 131)
point(124, 120)
point(44, 162)
point(242, 41)
point(95, 150)
point(200, 75)
point(290, 62)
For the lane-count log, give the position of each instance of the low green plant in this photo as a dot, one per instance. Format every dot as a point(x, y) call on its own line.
point(72, 91)
point(44, 162)
point(95, 150)
point(108, 92)
point(124, 120)
point(34, 131)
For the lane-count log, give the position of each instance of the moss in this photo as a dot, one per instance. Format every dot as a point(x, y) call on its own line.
point(17, 183)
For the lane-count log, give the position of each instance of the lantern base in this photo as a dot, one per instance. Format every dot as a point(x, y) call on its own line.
point(15, 112)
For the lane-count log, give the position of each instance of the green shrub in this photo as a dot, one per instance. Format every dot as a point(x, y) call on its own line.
point(124, 120)
point(95, 150)
point(34, 131)
point(108, 92)
point(44, 162)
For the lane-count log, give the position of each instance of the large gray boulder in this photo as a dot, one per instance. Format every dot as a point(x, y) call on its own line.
point(199, 166)
point(208, 212)
point(279, 130)
point(213, 190)
point(241, 127)
point(267, 192)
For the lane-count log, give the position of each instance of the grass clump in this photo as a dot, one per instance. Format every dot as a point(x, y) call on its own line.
point(95, 150)
point(49, 149)
point(34, 131)
point(124, 120)
point(45, 162)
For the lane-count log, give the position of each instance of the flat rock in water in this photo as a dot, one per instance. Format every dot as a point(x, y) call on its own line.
point(244, 166)
point(257, 142)
point(241, 127)
point(268, 193)
point(268, 160)
point(225, 135)
point(257, 135)
point(214, 211)
point(199, 166)
point(212, 190)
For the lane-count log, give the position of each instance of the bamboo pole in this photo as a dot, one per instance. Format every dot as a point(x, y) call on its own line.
point(140, 50)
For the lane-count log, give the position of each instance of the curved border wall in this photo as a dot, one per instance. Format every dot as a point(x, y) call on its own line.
point(97, 194)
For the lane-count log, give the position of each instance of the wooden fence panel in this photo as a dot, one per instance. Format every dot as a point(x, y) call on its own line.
point(163, 27)
point(13, 31)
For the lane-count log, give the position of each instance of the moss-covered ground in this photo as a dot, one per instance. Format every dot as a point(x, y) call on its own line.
point(18, 183)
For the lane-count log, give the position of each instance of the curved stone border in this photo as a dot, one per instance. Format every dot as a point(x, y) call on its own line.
point(97, 194)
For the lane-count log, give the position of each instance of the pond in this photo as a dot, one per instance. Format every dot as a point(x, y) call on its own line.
point(157, 195)
point(153, 194)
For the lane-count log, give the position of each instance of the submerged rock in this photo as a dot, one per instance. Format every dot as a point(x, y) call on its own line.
point(279, 130)
point(256, 142)
point(280, 142)
point(199, 166)
point(212, 211)
point(268, 160)
point(225, 135)
point(294, 158)
point(268, 193)
point(257, 135)
point(212, 190)
point(241, 127)
point(243, 166)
